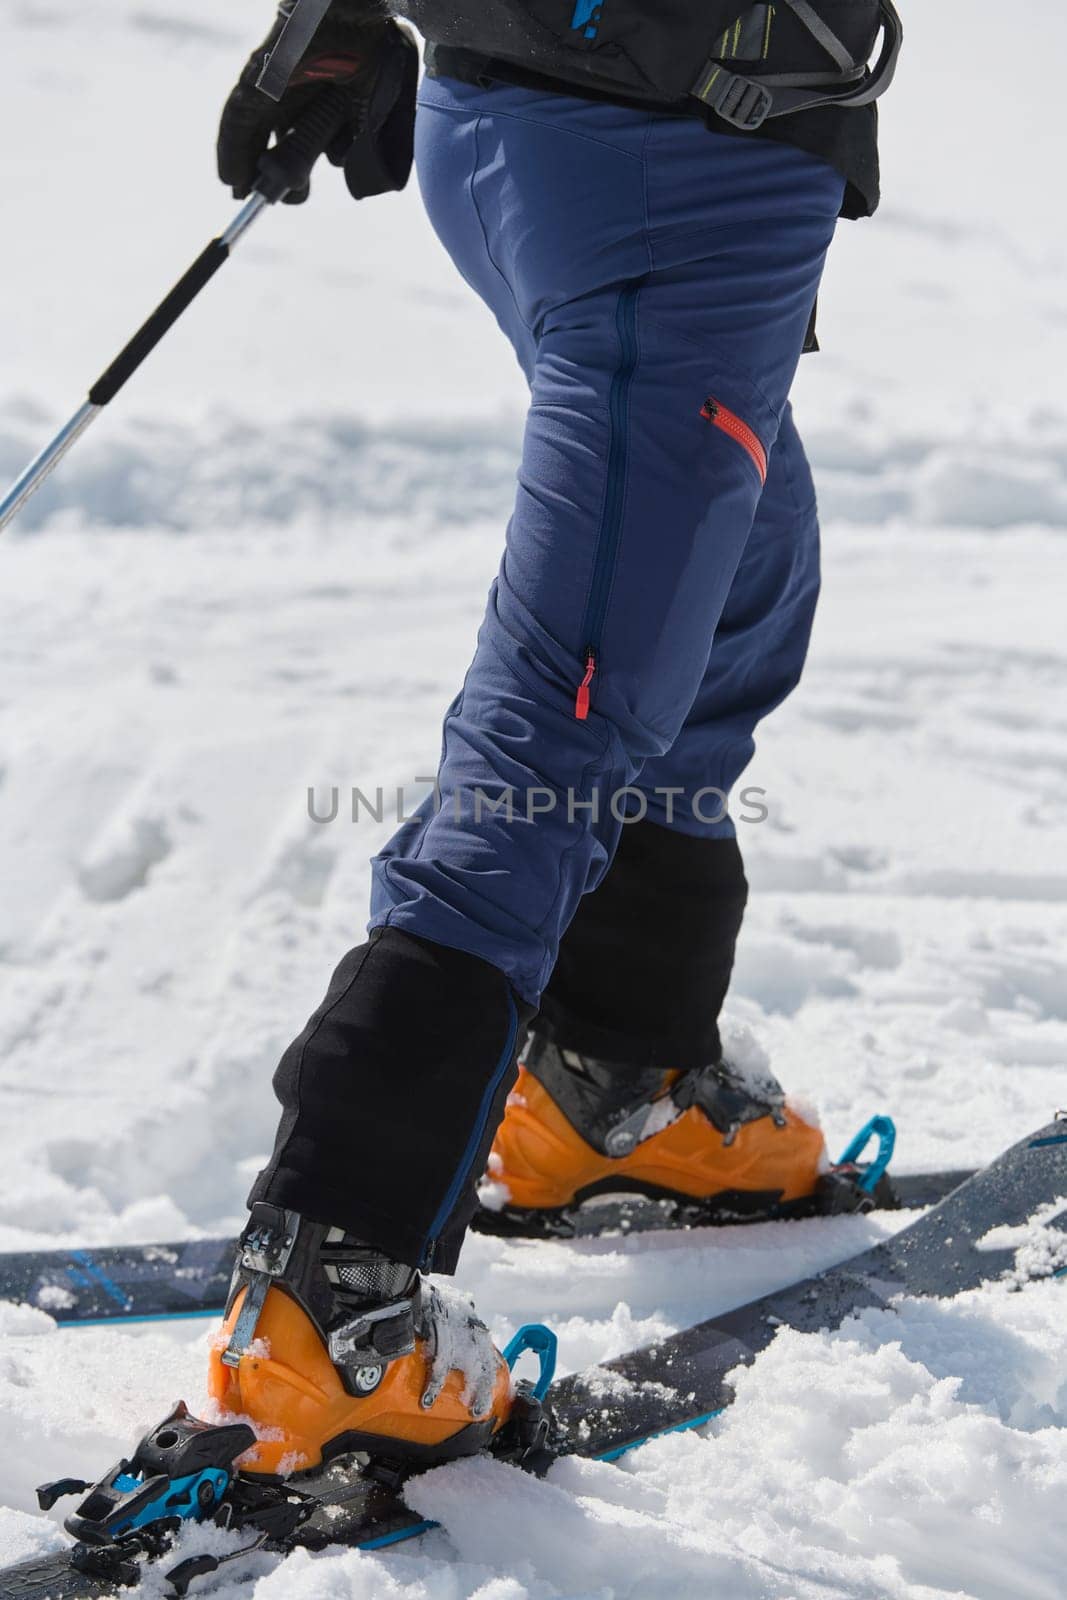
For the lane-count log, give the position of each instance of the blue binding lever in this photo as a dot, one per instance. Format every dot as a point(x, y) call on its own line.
point(884, 1130)
point(535, 1337)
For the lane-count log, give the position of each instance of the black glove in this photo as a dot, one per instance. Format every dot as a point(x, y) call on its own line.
point(375, 63)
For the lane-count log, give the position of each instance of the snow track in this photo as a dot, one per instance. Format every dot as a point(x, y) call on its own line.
point(264, 574)
point(220, 471)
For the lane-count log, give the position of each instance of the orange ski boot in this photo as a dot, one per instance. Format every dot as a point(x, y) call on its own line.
point(714, 1145)
point(328, 1348)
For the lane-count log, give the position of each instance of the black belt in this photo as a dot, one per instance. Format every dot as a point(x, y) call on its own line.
point(447, 61)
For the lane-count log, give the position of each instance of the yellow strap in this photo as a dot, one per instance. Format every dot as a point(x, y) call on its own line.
point(767, 33)
point(705, 87)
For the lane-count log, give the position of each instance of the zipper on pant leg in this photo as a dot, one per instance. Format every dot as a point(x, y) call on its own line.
point(729, 422)
point(607, 544)
point(581, 702)
point(462, 1173)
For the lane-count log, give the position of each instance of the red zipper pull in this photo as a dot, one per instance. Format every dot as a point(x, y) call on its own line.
point(581, 704)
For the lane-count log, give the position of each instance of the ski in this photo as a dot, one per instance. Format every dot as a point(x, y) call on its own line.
point(601, 1413)
point(648, 1212)
point(149, 1282)
point(122, 1283)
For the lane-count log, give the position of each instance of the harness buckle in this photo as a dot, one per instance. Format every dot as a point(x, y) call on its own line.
point(739, 101)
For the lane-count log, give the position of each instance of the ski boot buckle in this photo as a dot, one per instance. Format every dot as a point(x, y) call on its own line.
point(265, 1248)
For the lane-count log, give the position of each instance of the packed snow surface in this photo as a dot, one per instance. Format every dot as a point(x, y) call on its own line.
point(263, 574)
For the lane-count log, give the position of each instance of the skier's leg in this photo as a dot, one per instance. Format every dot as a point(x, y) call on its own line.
point(760, 648)
point(641, 265)
point(633, 510)
point(615, 993)
point(644, 966)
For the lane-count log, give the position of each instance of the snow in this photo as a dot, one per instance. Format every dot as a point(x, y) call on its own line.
point(461, 1344)
point(1040, 1250)
point(263, 574)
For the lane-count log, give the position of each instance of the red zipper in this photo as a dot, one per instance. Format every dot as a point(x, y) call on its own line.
point(581, 703)
point(732, 424)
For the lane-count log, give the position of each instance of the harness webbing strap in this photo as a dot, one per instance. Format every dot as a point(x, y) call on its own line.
point(747, 102)
point(822, 33)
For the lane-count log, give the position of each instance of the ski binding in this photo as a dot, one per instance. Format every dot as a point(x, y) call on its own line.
point(186, 1470)
point(183, 1470)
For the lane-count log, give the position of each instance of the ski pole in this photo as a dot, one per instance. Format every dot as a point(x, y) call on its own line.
point(287, 166)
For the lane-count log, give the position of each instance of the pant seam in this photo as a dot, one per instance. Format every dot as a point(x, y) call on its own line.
point(589, 769)
point(477, 1134)
point(545, 970)
point(476, 168)
point(647, 216)
point(388, 863)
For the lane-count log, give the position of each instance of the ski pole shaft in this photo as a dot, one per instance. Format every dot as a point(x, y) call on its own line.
point(108, 385)
point(286, 167)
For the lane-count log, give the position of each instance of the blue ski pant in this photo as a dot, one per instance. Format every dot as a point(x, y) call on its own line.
point(659, 579)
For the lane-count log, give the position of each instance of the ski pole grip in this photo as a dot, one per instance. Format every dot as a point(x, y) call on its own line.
point(288, 166)
point(160, 322)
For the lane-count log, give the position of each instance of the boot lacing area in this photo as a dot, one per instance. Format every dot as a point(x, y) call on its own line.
point(383, 1299)
point(593, 1095)
point(456, 1339)
point(729, 1098)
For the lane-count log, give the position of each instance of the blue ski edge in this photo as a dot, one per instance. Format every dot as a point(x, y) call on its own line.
point(400, 1536)
point(677, 1427)
point(147, 1316)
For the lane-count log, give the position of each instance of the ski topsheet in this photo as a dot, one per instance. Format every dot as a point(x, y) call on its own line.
point(190, 1279)
point(683, 1380)
point(135, 1282)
